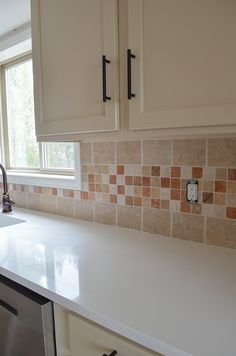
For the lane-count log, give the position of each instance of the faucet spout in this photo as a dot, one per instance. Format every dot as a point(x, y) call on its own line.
point(7, 202)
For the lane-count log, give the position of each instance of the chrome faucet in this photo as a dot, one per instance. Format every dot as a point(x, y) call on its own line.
point(7, 202)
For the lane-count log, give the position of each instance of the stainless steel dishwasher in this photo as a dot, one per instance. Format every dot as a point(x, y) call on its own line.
point(26, 322)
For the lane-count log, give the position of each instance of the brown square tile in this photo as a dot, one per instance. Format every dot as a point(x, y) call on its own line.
point(146, 181)
point(128, 152)
point(231, 213)
point(221, 232)
point(188, 227)
point(84, 195)
point(91, 178)
point(175, 172)
point(137, 191)
point(183, 183)
point(120, 170)
point(220, 186)
point(221, 174)
point(175, 183)
point(197, 172)
point(156, 221)
point(138, 180)
point(183, 195)
point(113, 199)
point(232, 174)
point(231, 187)
point(91, 187)
point(219, 199)
point(165, 204)
point(146, 191)
point(121, 189)
point(129, 200)
point(112, 179)
point(175, 194)
point(137, 201)
point(155, 203)
point(165, 182)
point(156, 171)
point(185, 207)
point(207, 198)
point(190, 152)
point(128, 180)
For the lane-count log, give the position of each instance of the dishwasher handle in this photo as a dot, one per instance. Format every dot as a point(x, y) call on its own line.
point(8, 308)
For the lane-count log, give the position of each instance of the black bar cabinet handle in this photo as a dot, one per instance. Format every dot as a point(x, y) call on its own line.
point(104, 79)
point(8, 307)
point(111, 354)
point(130, 56)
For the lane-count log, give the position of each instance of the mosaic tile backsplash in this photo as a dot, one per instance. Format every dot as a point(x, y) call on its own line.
point(142, 185)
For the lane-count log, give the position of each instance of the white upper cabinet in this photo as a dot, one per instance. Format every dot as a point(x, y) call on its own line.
point(184, 70)
point(70, 39)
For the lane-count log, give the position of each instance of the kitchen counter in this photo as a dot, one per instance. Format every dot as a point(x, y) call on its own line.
point(172, 296)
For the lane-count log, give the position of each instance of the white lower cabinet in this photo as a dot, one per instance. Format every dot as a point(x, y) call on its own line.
point(76, 336)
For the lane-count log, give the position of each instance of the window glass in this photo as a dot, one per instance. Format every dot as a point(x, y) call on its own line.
point(23, 148)
point(59, 155)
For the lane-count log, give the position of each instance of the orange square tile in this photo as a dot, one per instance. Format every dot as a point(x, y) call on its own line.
point(91, 187)
point(146, 192)
point(197, 172)
point(84, 195)
point(175, 194)
point(185, 207)
point(137, 201)
point(220, 186)
point(231, 213)
point(183, 195)
point(129, 200)
point(155, 203)
point(121, 189)
point(112, 179)
point(165, 182)
point(128, 180)
point(175, 172)
point(156, 171)
point(146, 181)
point(232, 174)
point(120, 170)
point(175, 183)
point(137, 180)
point(91, 178)
point(98, 188)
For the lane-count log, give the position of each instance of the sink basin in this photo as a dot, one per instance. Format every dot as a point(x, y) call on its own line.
point(8, 221)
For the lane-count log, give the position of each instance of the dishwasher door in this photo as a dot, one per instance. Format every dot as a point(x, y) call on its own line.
point(26, 322)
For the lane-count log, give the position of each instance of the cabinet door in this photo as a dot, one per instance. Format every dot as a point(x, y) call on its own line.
point(88, 339)
point(184, 71)
point(69, 39)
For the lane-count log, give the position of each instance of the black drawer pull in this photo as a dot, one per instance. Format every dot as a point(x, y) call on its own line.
point(130, 56)
point(111, 354)
point(104, 79)
point(8, 307)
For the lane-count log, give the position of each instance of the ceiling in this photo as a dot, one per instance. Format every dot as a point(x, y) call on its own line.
point(13, 14)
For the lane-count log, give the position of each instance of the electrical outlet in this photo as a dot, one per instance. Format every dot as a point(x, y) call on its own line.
point(192, 191)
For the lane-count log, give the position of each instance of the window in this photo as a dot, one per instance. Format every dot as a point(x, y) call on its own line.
point(21, 150)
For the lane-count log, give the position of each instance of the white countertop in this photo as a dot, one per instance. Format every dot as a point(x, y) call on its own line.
point(175, 297)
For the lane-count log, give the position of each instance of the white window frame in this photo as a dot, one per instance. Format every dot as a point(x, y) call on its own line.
point(58, 178)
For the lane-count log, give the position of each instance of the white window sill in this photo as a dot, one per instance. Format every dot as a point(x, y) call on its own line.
point(43, 180)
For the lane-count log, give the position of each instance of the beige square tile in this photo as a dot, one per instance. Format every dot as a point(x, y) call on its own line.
point(85, 153)
point(103, 152)
point(129, 217)
point(221, 232)
point(34, 201)
point(231, 199)
point(66, 207)
point(208, 186)
point(84, 209)
point(221, 173)
point(208, 173)
point(105, 213)
point(157, 152)
point(186, 172)
point(222, 152)
point(128, 152)
point(188, 227)
point(189, 152)
point(21, 199)
point(156, 221)
point(231, 187)
point(49, 204)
